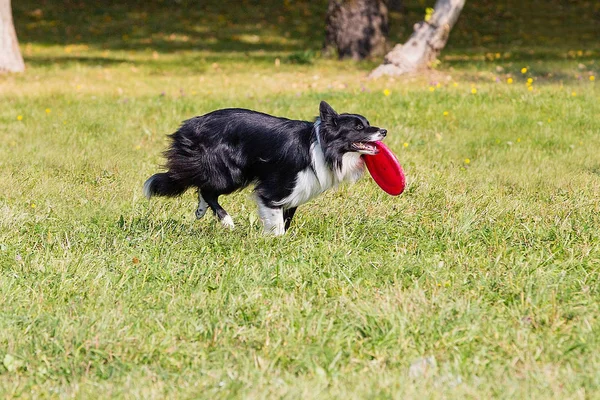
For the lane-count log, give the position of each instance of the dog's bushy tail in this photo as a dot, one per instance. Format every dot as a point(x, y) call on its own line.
point(163, 184)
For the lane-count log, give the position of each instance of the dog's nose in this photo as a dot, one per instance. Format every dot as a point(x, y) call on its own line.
point(383, 131)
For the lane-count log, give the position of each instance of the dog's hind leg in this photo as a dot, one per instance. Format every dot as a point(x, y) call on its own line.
point(212, 201)
point(202, 206)
point(272, 218)
point(287, 217)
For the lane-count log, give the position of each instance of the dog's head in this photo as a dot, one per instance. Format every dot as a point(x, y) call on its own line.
point(347, 133)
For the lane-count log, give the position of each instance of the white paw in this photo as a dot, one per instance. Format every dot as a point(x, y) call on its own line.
point(228, 222)
point(275, 230)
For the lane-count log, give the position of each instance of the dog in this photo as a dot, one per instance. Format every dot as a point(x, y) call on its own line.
point(288, 161)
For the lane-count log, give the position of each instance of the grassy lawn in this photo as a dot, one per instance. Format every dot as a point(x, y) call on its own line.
point(487, 266)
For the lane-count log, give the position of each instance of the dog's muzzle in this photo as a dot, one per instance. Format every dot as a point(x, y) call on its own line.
point(367, 147)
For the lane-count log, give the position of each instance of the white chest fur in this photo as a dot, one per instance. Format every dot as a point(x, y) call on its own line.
point(316, 179)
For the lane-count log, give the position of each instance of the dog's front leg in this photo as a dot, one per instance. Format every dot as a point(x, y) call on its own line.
point(272, 219)
point(288, 215)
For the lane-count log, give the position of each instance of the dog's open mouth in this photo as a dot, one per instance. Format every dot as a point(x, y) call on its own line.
point(365, 148)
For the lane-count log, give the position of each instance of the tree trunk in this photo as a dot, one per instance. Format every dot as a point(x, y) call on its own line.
point(426, 42)
point(356, 29)
point(395, 5)
point(10, 55)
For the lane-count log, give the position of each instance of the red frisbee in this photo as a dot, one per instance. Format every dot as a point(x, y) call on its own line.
point(386, 170)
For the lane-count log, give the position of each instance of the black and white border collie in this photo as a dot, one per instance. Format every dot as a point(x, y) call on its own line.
point(288, 161)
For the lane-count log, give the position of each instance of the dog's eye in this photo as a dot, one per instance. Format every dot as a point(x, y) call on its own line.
point(359, 127)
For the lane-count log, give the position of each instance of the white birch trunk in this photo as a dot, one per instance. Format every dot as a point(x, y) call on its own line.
point(10, 55)
point(425, 44)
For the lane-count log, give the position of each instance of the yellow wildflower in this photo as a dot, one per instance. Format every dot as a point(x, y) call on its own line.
point(530, 88)
point(387, 92)
point(473, 90)
point(529, 81)
point(428, 13)
point(467, 161)
point(455, 84)
point(509, 81)
point(48, 111)
point(523, 70)
point(19, 118)
point(573, 94)
point(592, 78)
point(446, 113)
point(405, 144)
point(431, 89)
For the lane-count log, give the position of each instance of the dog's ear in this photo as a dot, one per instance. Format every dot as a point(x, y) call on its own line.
point(328, 114)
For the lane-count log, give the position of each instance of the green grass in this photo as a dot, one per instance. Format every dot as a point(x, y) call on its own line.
point(489, 266)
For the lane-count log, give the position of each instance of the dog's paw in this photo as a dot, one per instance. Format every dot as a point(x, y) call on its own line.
point(275, 230)
point(200, 211)
point(228, 222)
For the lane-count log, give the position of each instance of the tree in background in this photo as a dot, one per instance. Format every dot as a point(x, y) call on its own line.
point(426, 42)
point(356, 29)
point(395, 5)
point(10, 55)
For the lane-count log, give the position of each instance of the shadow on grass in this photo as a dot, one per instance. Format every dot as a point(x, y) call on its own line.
point(167, 26)
point(254, 28)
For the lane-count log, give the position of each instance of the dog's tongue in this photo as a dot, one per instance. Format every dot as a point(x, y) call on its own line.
point(386, 170)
